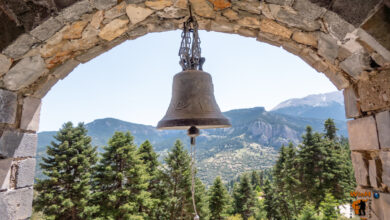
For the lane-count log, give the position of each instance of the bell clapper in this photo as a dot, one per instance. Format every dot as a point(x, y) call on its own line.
point(193, 132)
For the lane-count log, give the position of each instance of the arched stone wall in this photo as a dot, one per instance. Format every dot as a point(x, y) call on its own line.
point(347, 41)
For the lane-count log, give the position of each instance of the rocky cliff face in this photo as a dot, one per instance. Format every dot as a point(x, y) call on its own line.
point(320, 106)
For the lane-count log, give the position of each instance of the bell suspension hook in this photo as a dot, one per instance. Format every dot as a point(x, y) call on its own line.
point(193, 132)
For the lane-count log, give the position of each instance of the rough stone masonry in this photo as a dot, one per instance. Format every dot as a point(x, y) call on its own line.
point(41, 42)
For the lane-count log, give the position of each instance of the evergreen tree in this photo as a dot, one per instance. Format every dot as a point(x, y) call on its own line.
point(308, 213)
point(310, 160)
point(177, 177)
point(318, 169)
point(329, 207)
point(255, 179)
point(286, 182)
point(218, 200)
point(201, 199)
point(330, 129)
point(270, 204)
point(336, 171)
point(150, 159)
point(244, 197)
point(65, 194)
point(121, 181)
point(261, 176)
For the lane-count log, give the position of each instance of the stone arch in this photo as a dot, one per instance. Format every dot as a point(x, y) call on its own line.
point(42, 43)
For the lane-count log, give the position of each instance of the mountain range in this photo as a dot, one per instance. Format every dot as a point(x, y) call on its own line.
point(251, 143)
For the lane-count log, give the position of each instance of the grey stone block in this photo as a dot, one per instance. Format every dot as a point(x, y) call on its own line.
point(362, 134)
point(337, 26)
point(63, 70)
point(361, 172)
point(374, 44)
point(16, 204)
point(75, 11)
point(91, 53)
point(355, 64)
point(383, 125)
point(45, 87)
point(103, 4)
point(5, 64)
point(25, 72)
point(5, 172)
point(372, 173)
point(26, 173)
point(20, 46)
point(350, 103)
point(385, 158)
point(327, 47)
point(280, 2)
point(296, 20)
point(46, 29)
point(8, 105)
point(308, 10)
point(354, 11)
point(134, 1)
point(16, 144)
point(337, 79)
point(30, 114)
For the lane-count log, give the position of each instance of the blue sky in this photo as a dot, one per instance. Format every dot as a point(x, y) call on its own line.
point(133, 81)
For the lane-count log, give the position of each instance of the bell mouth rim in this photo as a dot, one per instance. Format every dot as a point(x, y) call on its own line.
point(201, 123)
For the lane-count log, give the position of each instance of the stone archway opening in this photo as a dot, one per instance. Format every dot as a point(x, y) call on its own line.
point(43, 43)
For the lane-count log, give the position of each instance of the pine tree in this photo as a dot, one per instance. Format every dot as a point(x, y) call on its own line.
point(330, 129)
point(324, 166)
point(201, 199)
point(65, 194)
point(244, 197)
point(177, 177)
point(255, 179)
point(286, 181)
point(308, 213)
point(261, 176)
point(121, 180)
point(291, 179)
point(328, 207)
point(150, 159)
point(310, 161)
point(270, 203)
point(218, 200)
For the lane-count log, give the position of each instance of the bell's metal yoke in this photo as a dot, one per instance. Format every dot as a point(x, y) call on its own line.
point(193, 103)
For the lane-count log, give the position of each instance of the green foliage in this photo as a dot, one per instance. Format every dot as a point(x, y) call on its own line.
point(66, 193)
point(177, 178)
point(330, 129)
point(218, 200)
point(319, 169)
point(244, 197)
point(286, 182)
point(308, 213)
point(121, 181)
point(306, 183)
point(235, 217)
point(270, 201)
point(328, 207)
point(255, 179)
point(150, 159)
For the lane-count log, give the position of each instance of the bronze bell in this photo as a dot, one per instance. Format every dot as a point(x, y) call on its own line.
point(193, 103)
